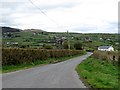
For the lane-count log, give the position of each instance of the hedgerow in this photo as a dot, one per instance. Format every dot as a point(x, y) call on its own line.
point(106, 55)
point(14, 56)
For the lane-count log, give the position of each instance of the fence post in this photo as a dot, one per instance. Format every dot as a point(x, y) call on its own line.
point(113, 59)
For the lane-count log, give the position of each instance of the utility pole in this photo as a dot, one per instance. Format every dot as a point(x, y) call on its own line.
point(68, 40)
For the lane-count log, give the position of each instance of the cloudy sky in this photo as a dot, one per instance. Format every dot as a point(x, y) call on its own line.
point(83, 16)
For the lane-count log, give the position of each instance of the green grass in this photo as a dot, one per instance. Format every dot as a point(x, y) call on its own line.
point(98, 74)
point(40, 38)
point(11, 68)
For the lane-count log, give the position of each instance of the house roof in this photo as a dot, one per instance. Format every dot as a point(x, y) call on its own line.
point(104, 47)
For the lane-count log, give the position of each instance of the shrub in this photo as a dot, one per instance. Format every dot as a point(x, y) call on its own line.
point(106, 55)
point(90, 50)
point(78, 46)
point(19, 56)
point(65, 45)
point(47, 46)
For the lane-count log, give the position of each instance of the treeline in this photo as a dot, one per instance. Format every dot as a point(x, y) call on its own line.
point(16, 56)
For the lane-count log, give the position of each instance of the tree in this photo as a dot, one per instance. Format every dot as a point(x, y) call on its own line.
point(78, 46)
point(65, 45)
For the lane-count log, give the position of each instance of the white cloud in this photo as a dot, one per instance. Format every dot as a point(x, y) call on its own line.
point(73, 15)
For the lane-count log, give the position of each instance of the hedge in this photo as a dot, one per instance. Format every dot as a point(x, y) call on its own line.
point(16, 56)
point(106, 55)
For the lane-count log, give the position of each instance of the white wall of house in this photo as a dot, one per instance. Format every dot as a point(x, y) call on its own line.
point(109, 49)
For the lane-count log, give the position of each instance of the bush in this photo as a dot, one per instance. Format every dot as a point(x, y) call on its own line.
point(89, 50)
point(65, 45)
point(103, 55)
point(47, 46)
point(78, 46)
point(19, 56)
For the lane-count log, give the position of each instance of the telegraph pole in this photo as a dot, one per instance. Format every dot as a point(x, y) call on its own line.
point(68, 40)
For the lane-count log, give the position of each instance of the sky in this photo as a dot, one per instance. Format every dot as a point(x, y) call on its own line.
point(82, 16)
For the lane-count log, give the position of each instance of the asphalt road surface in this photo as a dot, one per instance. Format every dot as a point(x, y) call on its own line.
point(59, 75)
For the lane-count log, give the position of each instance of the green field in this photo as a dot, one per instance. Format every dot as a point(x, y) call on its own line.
point(28, 39)
point(98, 73)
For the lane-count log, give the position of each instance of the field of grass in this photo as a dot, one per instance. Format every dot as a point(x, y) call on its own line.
point(11, 68)
point(28, 39)
point(98, 73)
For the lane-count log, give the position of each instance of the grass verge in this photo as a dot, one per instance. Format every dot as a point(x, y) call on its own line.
point(98, 73)
point(11, 68)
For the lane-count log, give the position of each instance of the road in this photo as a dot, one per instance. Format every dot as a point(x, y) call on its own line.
point(59, 75)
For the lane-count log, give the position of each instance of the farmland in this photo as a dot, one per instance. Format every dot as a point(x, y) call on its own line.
point(57, 40)
point(32, 47)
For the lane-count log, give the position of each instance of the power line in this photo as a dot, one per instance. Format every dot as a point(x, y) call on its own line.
point(50, 20)
point(44, 13)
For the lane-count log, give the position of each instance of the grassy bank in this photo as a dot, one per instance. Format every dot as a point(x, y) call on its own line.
point(11, 68)
point(98, 73)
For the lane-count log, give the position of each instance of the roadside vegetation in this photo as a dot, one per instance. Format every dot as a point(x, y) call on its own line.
point(15, 59)
point(107, 55)
point(99, 72)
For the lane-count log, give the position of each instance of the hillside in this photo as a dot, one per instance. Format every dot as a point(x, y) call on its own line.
point(9, 29)
point(37, 38)
point(33, 30)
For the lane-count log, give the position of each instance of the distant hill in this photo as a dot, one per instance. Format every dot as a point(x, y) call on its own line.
point(33, 30)
point(9, 29)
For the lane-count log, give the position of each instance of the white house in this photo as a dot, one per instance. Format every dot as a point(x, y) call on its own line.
point(106, 48)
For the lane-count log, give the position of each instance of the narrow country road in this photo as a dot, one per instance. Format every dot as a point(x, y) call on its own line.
point(59, 75)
